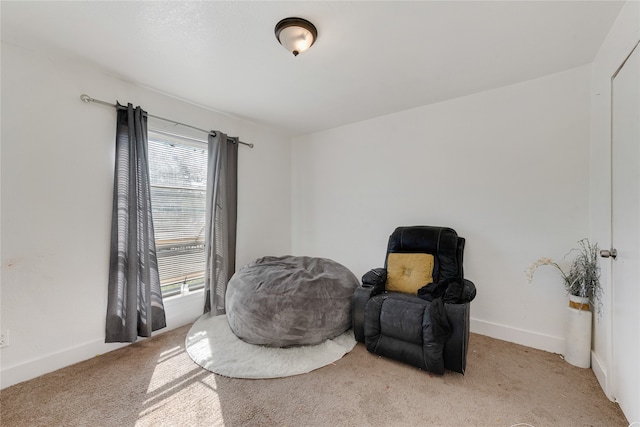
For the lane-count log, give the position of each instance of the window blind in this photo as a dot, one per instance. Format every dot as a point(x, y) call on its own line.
point(178, 178)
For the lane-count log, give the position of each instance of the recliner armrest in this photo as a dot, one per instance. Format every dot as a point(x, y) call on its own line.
point(376, 278)
point(373, 283)
point(361, 295)
point(455, 350)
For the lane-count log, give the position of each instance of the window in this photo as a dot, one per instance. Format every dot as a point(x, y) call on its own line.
point(178, 178)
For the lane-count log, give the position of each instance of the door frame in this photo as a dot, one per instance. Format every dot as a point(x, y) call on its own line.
point(611, 383)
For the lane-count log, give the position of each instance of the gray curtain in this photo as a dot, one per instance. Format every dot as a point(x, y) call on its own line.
point(220, 239)
point(134, 306)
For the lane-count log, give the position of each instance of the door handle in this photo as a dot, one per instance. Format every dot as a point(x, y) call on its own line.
point(606, 253)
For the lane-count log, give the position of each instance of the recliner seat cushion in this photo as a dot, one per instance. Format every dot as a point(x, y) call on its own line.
point(399, 326)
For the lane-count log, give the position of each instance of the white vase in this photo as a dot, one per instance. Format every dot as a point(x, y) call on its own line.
point(578, 332)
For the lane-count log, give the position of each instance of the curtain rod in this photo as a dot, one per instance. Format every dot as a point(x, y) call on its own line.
point(86, 98)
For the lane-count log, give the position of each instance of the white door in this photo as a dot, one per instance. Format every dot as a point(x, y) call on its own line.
point(626, 235)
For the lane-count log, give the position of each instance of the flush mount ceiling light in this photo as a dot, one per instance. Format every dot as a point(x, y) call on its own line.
point(296, 34)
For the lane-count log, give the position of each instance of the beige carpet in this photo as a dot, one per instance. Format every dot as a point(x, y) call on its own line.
point(155, 383)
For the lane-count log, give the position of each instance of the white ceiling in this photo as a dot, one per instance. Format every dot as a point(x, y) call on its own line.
point(370, 59)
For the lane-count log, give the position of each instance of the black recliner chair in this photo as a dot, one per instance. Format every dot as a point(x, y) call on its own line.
point(416, 308)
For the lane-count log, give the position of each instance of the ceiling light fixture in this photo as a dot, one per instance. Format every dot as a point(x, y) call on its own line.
point(296, 34)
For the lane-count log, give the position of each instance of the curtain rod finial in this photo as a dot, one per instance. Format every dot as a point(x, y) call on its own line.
point(86, 98)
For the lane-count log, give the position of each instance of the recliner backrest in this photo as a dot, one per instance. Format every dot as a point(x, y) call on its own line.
point(442, 242)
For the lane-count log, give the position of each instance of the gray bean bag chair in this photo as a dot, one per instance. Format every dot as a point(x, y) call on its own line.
point(290, 301)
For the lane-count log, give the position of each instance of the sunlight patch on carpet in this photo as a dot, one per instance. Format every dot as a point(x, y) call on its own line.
point(212, 345)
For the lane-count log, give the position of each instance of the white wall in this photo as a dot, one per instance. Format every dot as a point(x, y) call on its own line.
point(507, 168)
point(57, 178)
point(624, 34)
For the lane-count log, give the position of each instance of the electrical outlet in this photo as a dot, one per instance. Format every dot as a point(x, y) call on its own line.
point(4, 339)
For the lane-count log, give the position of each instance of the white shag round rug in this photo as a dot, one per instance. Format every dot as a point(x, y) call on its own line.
point(212, 345)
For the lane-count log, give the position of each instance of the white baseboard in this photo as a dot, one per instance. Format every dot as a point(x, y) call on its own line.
point(179, 311)
point(600, 371)
point(35, 367)
point(519, 336)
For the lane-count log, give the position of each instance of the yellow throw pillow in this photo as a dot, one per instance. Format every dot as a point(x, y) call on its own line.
point(409, 272)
